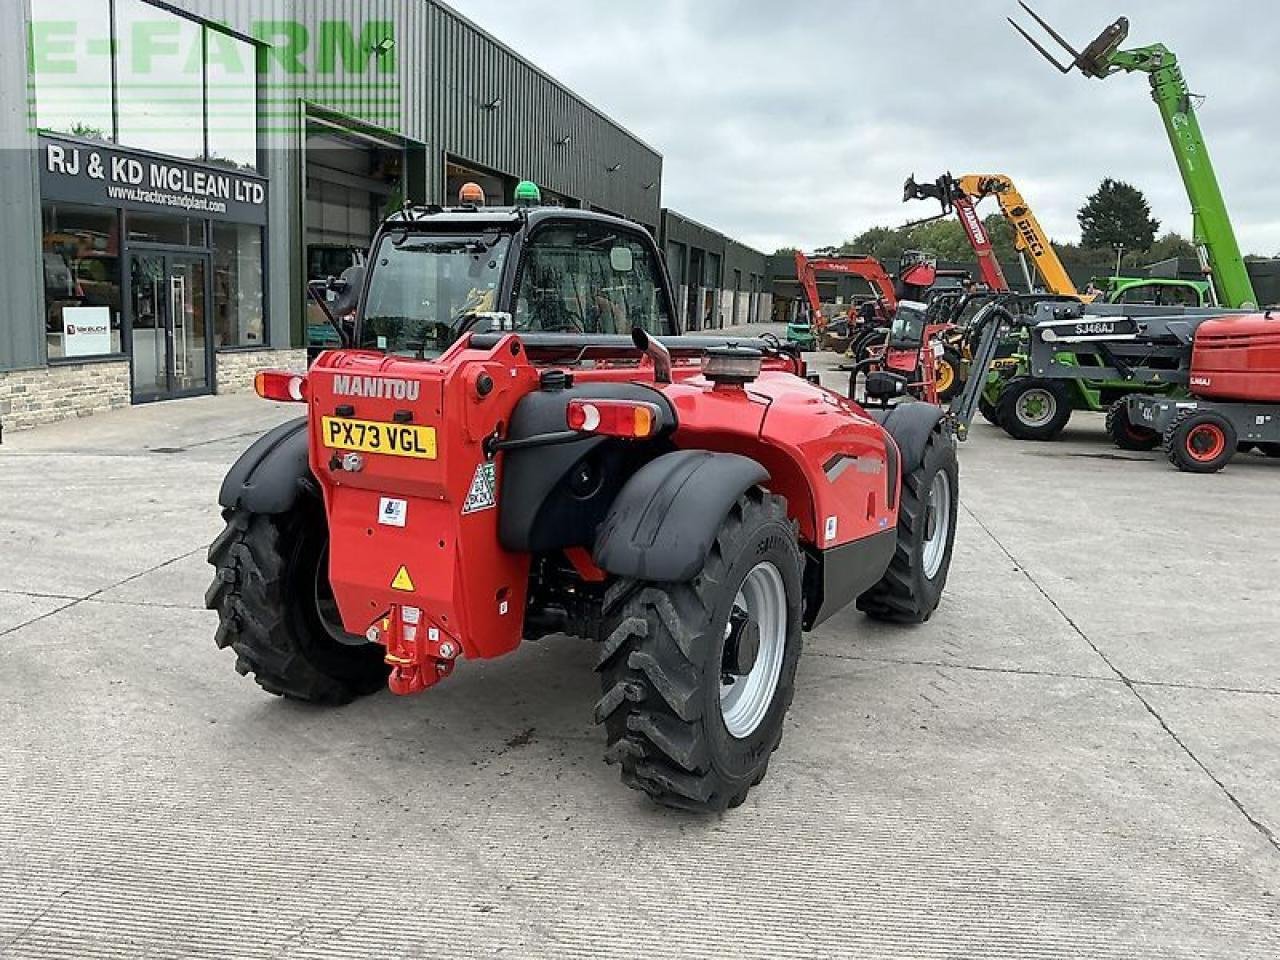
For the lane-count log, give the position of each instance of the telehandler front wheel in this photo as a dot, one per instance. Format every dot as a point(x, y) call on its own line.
point(697, 677)
point(911, 588)
point(277, 612)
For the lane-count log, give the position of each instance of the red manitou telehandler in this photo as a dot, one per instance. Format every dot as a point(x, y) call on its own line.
point(514, 441)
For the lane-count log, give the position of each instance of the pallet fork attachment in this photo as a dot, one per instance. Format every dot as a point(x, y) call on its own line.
point(1094, 61)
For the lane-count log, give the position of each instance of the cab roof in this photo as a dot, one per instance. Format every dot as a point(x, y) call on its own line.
point(453, 218)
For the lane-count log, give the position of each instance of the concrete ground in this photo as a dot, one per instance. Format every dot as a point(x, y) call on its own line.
point(1076, 758)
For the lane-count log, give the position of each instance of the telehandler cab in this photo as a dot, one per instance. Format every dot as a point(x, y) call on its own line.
point(515, 442)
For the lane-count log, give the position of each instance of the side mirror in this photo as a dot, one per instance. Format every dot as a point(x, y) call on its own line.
point(622, 260)
point(337, 300)
point(344, 292)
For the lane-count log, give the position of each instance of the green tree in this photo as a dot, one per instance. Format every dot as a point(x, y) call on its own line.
point(884, 243)
point(1000, 231)
point(944, 238)
point(1117, 213)
point(1169, 246)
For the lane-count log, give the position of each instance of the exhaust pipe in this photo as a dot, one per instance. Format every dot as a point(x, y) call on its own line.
point(656, 351)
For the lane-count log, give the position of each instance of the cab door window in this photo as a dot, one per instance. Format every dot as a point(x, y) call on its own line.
point(589, 279)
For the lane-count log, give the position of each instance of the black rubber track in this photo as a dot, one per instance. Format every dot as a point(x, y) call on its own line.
point(904, 595)
point(660, 675)
point(261, 592)
point(1124, 434)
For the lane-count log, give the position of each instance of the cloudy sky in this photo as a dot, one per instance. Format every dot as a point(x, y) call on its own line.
point(795, 123)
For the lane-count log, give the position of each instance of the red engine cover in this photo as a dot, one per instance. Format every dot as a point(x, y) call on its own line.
point(1238, 358)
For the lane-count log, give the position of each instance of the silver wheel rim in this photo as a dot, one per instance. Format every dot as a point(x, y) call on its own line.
point(1048, 406)
point(744, 703)
point(935, 540)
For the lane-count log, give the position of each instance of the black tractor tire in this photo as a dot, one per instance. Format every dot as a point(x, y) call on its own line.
point(276, 609)
point(1126, 434)
point(1200, 441)
point(952, 360)
point(664, 657)
point(911, 589)
point(862, 344)
point(988, 411)
point(1055, 397)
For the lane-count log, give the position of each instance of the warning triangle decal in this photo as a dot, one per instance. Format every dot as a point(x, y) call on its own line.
point(403, 582)
point(484, 490)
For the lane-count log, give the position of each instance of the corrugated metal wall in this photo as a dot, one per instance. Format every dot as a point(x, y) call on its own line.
point(448, 71)
point(22, 341)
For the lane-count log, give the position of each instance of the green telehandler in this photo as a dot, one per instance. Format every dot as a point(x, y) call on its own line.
point(1018, 403)
point(1212, 233)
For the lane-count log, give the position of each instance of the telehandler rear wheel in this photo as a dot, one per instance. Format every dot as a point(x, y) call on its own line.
point(277, 611)
point(1126, 434)
point(912, 587)
point(697, 677)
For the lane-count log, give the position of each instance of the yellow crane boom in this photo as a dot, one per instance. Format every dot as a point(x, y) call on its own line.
point(1028, 237)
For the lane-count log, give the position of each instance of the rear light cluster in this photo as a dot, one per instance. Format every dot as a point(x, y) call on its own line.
point(614, 418)
point(281, 385)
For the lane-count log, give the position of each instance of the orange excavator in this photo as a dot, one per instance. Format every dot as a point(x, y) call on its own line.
point(856, 265)
point(904, 345)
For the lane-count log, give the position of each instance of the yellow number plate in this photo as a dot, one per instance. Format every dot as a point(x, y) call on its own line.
point(391, 439)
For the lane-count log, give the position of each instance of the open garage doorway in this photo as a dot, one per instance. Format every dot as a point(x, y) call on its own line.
point(353, 181)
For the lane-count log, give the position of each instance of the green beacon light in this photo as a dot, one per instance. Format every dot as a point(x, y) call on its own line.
point(528, 194)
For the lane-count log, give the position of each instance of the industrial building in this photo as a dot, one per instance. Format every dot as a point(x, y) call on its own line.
point(176, 171)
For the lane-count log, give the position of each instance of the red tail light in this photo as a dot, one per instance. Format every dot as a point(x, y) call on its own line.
point(281, 385)
point(614, 418)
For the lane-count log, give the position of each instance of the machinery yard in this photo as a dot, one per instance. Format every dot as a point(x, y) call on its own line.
point(1074, 758)
point(581, 581)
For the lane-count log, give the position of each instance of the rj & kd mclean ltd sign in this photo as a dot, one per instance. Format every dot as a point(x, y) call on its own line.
point(75, 172)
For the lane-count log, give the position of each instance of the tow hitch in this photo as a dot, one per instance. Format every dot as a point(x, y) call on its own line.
point(420, 655)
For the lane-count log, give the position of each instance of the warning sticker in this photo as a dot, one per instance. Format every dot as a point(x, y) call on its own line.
point(402, 582)
point(484, 490)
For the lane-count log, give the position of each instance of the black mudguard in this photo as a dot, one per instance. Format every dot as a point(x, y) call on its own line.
point(269, 475)
point(542, 506)
point(661, 526)
point(910, 425)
